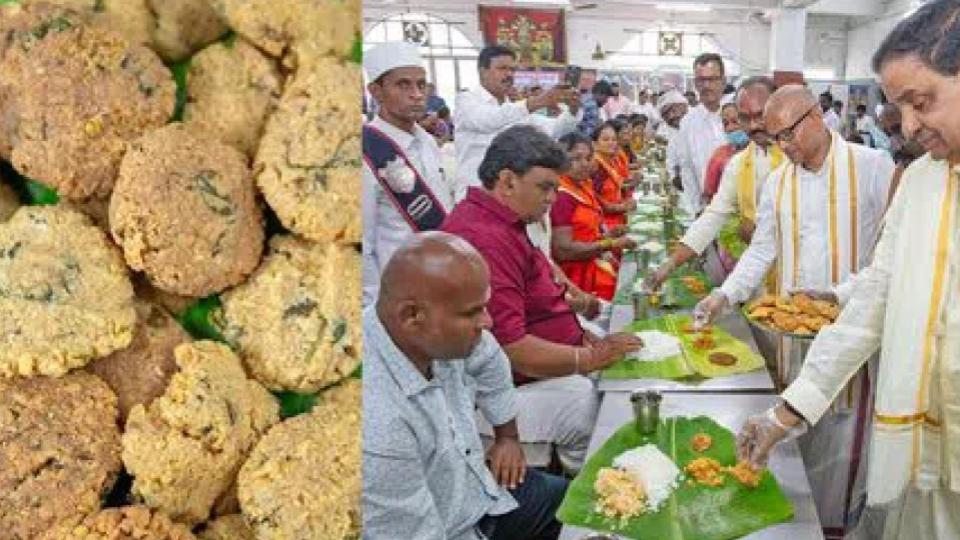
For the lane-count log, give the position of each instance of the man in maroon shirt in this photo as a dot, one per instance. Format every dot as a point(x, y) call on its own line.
point(548, 349)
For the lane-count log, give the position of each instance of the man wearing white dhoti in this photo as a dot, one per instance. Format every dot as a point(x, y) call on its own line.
point(905, 304)
point(818, 220)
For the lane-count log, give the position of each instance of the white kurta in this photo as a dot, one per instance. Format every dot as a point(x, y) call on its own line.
point(725, 203)
point(701, 132)
point(905, 304)
point(479, 117)
point(830, 448)
point(671, 134)
point(874, 170)
point(384, 229)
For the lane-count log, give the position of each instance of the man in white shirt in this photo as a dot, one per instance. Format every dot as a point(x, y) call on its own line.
point(672, 108)
point(818, 219)
point(740, 186)
point(412, 173)
point(905, 304)
point(616, 104)
point(701, 130)
point(865, 125)
point(646, 107)
point(830, 117)
point(482, 113)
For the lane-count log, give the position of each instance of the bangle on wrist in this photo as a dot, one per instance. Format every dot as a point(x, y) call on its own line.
point(576, 360)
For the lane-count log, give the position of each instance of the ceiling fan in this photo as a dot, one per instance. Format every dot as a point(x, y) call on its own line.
point(583, 6)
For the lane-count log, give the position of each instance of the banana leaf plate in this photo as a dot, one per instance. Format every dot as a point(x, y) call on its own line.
point(693, 512)
point(692, 362)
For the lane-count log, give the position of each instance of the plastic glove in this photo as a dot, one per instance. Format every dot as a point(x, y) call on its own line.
point(816, 294)
point(707, 309)
point(761, 433)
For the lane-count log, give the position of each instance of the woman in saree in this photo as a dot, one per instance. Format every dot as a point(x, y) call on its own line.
point(581, 244)
point(613, 183)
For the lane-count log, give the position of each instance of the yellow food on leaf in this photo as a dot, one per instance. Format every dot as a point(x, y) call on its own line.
point(705, 471)
point(619, 494)
point(744, 473)
point(701, 442)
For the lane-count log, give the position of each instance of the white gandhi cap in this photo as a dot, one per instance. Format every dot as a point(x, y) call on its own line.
point(671, 97)
point(387, 56)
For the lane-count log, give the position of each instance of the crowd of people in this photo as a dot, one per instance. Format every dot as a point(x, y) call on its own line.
point(487, 289)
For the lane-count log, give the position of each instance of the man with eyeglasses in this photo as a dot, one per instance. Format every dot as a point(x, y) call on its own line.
point(817, 223)
point(701, 130)
point(740, 186)
point(904, 304)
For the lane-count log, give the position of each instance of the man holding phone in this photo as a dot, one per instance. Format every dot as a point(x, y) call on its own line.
point(482, 113)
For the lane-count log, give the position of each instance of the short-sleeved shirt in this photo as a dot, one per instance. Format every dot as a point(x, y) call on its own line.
point(561, 213)
point(424, 474)
point(525, 299)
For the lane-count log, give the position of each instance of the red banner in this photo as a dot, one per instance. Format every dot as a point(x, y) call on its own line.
point(536, 35)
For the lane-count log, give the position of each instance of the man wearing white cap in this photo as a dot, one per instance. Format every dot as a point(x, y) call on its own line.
point(672, 108)
point(404, 190)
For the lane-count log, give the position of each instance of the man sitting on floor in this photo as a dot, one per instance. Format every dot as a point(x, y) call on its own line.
point(548, 349)
point(429, 362)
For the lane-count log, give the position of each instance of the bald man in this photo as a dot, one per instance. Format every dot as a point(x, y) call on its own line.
point(429, 363)
point(905, 305)
point(817, 223)
point(740, 186)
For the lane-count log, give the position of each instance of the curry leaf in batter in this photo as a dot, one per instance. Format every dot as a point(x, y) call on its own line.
point(215, 201)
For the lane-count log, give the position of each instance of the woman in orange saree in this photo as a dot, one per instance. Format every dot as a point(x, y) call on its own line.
point(613, 174)
point(581, 244)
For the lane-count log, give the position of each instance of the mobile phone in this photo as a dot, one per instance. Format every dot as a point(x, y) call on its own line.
point(571, 76)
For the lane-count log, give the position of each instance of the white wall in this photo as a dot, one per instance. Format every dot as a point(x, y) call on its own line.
point(744, 41)
point(864, 39)
point(825, 47)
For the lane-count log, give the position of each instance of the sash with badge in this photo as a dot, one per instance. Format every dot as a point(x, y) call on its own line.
point(401, 181)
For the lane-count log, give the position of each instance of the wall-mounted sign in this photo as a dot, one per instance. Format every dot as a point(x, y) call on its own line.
point(670, 44)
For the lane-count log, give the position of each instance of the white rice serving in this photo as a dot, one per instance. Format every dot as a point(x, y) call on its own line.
point(656, 346)
point(656, 472)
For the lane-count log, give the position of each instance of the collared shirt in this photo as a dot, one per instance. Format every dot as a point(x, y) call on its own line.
point(384, 229)
point(617, 105)
point(874, 170)
point(524, 297)
point(424, 475)
point(479, 117)
point(725, 203)
point(701, 132)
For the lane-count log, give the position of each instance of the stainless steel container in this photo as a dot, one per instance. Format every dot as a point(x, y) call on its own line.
point(641, 305)
point(646, 410)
